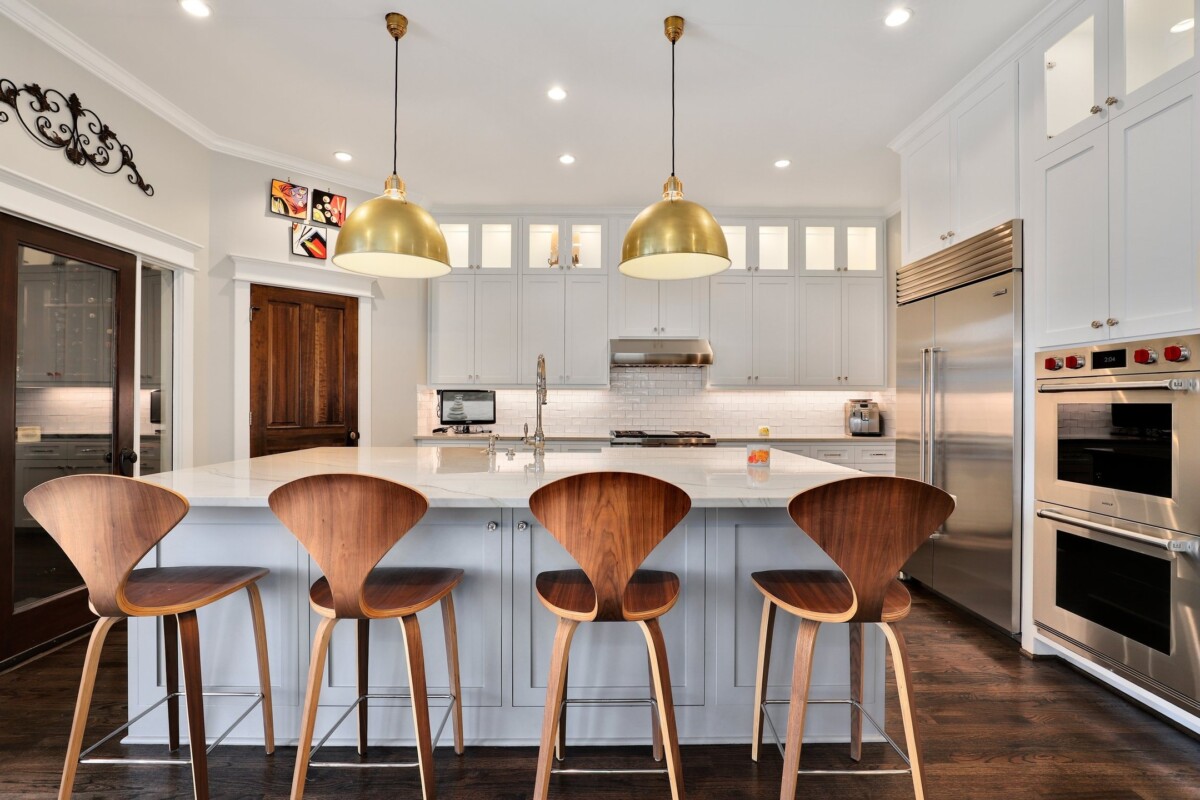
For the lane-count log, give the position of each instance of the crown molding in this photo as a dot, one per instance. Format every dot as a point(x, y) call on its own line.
point(71, 47)
point(1010, 51)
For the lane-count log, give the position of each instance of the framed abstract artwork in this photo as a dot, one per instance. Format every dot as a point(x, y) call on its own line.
point(289, 200)
point(328, 208)
point(308, 241)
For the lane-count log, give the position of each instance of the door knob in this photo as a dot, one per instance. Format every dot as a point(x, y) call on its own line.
point(353, 435)
point(127, 459)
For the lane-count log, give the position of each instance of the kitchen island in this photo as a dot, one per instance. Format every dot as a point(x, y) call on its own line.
point(479, 521)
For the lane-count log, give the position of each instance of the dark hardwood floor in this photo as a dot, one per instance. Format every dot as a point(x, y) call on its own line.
point(995, 725)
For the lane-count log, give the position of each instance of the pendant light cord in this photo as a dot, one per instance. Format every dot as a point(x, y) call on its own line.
point(672, 109)
point(396, 110)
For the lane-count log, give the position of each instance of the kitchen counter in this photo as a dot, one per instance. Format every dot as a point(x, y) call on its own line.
point(598, 437)
point(479, 521)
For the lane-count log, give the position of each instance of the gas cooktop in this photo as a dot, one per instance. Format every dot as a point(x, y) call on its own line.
point(639, 438)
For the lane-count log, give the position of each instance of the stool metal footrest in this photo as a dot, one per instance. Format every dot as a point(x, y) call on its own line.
point(389, 765)
point(866, 715)
point(83, 759)
point(616, 701)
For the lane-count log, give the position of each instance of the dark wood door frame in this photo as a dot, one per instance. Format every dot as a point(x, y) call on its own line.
point(50, 618)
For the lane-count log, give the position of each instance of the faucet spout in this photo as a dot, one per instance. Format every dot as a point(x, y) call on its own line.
point(538, 440)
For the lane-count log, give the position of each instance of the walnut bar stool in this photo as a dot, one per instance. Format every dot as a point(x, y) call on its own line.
point(105, 524)
point(347, 523)
point(609, 522)
point(869, 526)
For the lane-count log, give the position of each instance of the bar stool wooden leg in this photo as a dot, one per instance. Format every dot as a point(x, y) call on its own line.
point(450, 628)
point(312, 698)
point(264, 666)
point(560, 732)
point(171, 670)
point(83, 703)
point(656, 739)
point(363, 636)
point(189, 638)
point(857, 643)
point(904, 689)
point(555, 686)
point(806, 641)
point(666, 706)
point(765, 632)
point(415, 656)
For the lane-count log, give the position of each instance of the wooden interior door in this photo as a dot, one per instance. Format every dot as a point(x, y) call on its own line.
point(67, 312)
point(303, 370)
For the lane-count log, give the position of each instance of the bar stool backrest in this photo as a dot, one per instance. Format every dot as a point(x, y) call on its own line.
point(870, 526)
point(105, 524)
point(347, 523)
point(609, 522)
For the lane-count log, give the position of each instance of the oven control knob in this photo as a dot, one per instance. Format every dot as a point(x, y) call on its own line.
point(1053, 363)
point(1145, 356)
point(1076, 362)
point(1176, 353)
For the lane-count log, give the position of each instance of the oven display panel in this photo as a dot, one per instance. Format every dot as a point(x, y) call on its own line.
point(1109, 359)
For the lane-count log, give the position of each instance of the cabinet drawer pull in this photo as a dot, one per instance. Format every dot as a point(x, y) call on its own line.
point(1097, 323)
point(1112, 322)
point(1111, 101)
point(1096, 109)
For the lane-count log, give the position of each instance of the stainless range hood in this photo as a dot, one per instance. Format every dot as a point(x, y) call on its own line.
point(660, 353)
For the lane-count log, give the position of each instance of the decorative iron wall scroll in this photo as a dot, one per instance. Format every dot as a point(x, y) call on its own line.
point(60, 121)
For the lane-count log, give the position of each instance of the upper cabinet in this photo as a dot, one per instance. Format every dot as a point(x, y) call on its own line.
point(959, 177)
point(647, 309)
point(752, 331)
point(760, 247)
point(482, 243)
point(565, 244)
point(565, 319)
point(1104, 58)
point(840, 247)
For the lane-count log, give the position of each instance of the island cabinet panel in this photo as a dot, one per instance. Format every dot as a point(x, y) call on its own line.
point(608, 659)
point(744, 541)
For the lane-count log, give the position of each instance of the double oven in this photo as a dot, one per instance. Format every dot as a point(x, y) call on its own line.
point(1117, 532)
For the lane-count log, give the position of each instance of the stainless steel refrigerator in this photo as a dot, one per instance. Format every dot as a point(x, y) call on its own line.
point(958, 415)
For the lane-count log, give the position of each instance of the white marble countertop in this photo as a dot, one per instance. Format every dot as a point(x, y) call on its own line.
point(604, 437)
point(457, 477)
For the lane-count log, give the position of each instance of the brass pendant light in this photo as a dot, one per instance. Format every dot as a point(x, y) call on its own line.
point(674, 238)
point(389, 236)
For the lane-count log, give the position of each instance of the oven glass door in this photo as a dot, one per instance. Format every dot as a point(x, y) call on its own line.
point(1120, 452)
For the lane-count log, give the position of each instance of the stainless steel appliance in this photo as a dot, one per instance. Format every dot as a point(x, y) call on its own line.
point(660, 353)
point(958, 415)
point(1117, 532)
point(862, 418)
point(661, 439)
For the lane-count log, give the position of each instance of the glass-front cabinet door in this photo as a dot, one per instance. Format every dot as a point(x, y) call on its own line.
point(67, 307)
point(1072, 60)
point(1153, 47)
point(481, 244)
point(759, 246)
point(840, 246)
point(565, 244)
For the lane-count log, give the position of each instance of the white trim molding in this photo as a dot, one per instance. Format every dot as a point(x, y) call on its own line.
point(248, 271)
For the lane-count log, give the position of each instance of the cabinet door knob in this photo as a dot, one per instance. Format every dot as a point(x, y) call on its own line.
point(755, 377)
point(943, 237)
point(1111, 101)
point(749, 377)
point(1097, 323)
point(1112, 322)
point(1096, 109)
point(950, 234)
point(491, 526)
point(522, 525)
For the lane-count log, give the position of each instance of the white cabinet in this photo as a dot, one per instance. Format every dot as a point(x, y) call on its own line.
point(481, 243)
point(1116, 252)
point(1151, 47)
point(752, 329)
point(649, 309)
point(565, 244)
point(68, 330)
point(959, 178)
point(473, 330)
point(842, 338)
point(566, 320)
point(763, 246)
point(840, 247)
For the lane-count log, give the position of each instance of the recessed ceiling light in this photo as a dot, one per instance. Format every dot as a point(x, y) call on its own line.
point(783, 162)
point(342, 155)
point(566, 158)
point(557, 93)
point(197, 8)
point(897, 17)
point(1184, 25)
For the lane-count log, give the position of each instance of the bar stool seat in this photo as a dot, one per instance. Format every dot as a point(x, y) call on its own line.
point(568, 593)
point(393, 591)
point(824, 595)
point(173, 590)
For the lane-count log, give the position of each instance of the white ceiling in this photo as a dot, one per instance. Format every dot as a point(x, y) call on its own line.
point(821, 82)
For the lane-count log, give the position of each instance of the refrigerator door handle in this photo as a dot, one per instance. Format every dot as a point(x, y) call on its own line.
point(933, 383)
point(924, 410)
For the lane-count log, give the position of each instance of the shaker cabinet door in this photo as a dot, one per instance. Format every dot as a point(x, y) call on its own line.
point(452, 356)
point(925, 215)
point(730, 329)
point(495, 329)
point(863, 340)
point(774, 323)
point(820, 340)
point(542, 328)
point(586, 321)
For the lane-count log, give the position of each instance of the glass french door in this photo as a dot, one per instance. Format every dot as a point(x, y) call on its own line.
point(67, 316)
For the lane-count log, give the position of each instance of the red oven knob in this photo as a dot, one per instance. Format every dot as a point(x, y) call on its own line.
point(1076, 362)
point(1053, 363)
point(1145, 356)
point(1176, 353)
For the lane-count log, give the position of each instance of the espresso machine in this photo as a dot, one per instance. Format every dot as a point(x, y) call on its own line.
point(862, 418)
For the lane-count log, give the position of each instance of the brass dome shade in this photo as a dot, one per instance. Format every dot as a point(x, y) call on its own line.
point(674, 239)
point(389, 236)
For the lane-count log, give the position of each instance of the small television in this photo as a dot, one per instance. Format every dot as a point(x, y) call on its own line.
point(463, 408)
